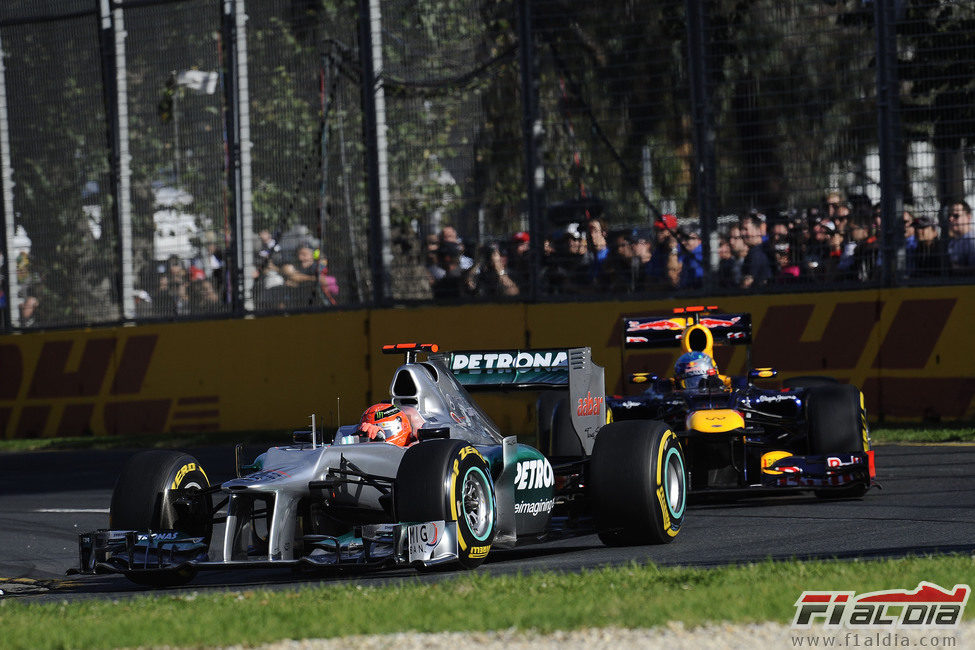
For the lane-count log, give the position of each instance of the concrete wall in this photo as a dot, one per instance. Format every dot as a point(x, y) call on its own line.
point(910, 350)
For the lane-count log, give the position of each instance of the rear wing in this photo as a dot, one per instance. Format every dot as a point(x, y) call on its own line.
point(517, 369)
point(667, 331)
point(554, 368)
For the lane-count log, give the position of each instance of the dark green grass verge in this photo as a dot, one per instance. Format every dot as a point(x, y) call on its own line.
point(636, 596)
point(962, 432)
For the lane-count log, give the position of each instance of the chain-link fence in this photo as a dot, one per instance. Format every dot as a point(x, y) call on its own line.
point(173, 159)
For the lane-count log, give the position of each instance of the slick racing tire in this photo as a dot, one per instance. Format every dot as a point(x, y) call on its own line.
point(808, 381)
point(837, 425)
point(638, 483)
point(449, 480)
point(143, 498)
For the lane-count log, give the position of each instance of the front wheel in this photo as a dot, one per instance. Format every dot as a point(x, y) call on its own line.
point(837, 424)
point(145, 499)
point(638, 483)
point(449, 480)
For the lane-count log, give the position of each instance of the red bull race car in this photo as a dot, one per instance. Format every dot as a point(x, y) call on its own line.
point(734, 436)
point(812, 433)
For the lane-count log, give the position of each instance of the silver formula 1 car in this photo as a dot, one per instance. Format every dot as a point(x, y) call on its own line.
point(460, 491)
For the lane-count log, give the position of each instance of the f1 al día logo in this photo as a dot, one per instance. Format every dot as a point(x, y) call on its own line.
point(928, 606)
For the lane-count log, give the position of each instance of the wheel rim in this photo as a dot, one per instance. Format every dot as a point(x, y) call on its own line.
point(477, 507)
point(674, 483)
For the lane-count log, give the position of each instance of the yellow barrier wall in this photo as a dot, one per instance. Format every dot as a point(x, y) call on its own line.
point(911, 351)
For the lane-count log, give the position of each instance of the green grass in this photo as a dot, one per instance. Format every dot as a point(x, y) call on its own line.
point(963, 432)
point(635, 596)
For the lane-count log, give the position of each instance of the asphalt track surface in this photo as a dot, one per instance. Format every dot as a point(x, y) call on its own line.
point(926, 506)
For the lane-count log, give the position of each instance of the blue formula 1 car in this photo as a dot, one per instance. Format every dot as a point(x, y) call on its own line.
point(812, 433)
point(459, 491)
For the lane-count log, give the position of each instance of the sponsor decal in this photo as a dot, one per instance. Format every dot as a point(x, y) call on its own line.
point(532, 474)
point(423, 536)
point(468, 450)
point(590, 405)
point(509, 360)
point(711, 323)
point(833, 461)
point(659, 325)
point(534, 508)
point(479, 551)
point(774, 398)
point(629, 404)
point(181, 474)
point(927, 606)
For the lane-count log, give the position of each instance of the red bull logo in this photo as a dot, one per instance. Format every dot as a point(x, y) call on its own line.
point(711, 323)
point(659, 325)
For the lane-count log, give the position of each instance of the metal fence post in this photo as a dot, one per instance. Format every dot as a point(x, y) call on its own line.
point(532, 132)
point(891, 148)
point(374, 132)
point(704, 136)
point(111, 39)
point(9, 287)
point(237, 126)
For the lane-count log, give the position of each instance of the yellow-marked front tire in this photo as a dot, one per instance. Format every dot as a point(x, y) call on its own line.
point(449, 480)
point(143, 494)
point(638, 483)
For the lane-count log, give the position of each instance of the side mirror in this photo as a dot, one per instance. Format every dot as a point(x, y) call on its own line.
point(762, 373)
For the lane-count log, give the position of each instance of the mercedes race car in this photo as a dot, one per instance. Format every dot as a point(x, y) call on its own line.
point(459, 491)
point(812, 433)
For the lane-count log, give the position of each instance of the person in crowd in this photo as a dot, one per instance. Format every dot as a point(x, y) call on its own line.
point(729, 269)
point(691, 254)
point(433, 268)
point(173, 298)
point(675, 270)
point(961, 242)
point(518, 260)
point(449, 235)
point(203, 298)
point(616, 272)
point(453, 284)
point(757, 267)
point(492, 278)
point(665, 228)
point(29, 310)
point(327, 283)
point(927, 258)
point(567, 270)
point(787, 269)
point(598, 246)
point(301, 275)
point(642, 254)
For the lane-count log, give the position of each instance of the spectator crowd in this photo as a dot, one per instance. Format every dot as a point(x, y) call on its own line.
point(835, 243)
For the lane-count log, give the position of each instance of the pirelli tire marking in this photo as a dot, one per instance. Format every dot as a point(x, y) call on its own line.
point(472, 503)
point(864, 429)
point(185, 470)
point(669, 483)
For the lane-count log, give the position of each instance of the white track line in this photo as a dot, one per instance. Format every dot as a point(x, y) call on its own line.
point(74, 510)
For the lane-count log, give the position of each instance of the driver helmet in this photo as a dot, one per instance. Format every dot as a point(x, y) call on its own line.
point(385, 421)
point(692, 368)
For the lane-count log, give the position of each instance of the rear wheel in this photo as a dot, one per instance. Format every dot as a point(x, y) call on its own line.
point(145, 498)
point(638, 483)
point(837, 425)
point(449, 480)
